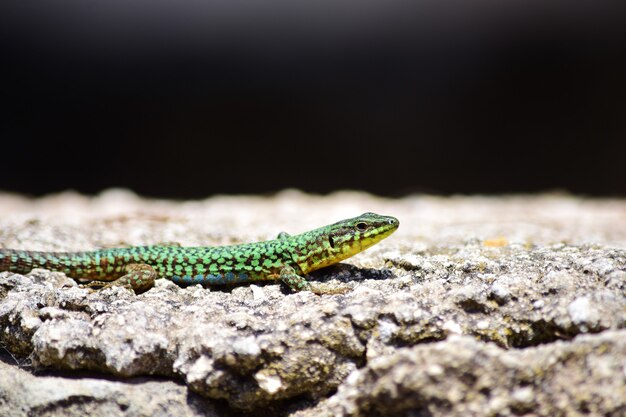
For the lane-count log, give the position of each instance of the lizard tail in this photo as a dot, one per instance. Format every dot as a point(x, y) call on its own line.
point(21, 261)
point(16, 261)
point(5, 260)
point(73, 264)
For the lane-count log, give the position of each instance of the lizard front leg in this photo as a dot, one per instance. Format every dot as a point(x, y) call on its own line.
point(297, 283)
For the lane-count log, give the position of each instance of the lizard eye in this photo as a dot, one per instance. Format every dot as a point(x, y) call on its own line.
point(361, 226)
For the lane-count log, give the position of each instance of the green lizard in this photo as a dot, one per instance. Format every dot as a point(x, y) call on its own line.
point(287, 258)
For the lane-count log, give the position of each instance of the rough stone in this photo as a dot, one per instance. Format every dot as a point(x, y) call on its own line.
point(476, 306)
point(24, 394)
point(463, 377)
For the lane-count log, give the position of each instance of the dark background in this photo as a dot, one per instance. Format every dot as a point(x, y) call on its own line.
point(189, 98)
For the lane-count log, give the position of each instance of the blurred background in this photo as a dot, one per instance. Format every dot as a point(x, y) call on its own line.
point(188, 98)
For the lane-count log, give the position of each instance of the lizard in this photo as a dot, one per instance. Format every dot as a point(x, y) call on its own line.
point(287, 258)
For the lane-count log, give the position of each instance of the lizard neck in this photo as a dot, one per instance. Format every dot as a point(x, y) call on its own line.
point(311, 251)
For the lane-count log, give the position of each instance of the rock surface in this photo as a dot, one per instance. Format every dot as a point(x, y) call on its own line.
point(475, 306)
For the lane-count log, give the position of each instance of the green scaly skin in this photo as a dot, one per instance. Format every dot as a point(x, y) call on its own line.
point(287, 258)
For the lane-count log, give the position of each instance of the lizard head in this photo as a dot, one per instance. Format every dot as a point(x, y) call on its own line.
point(346, 238)
point(354, 235)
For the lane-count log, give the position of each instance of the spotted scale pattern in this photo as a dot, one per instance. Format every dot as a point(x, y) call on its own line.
point(234, 264)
